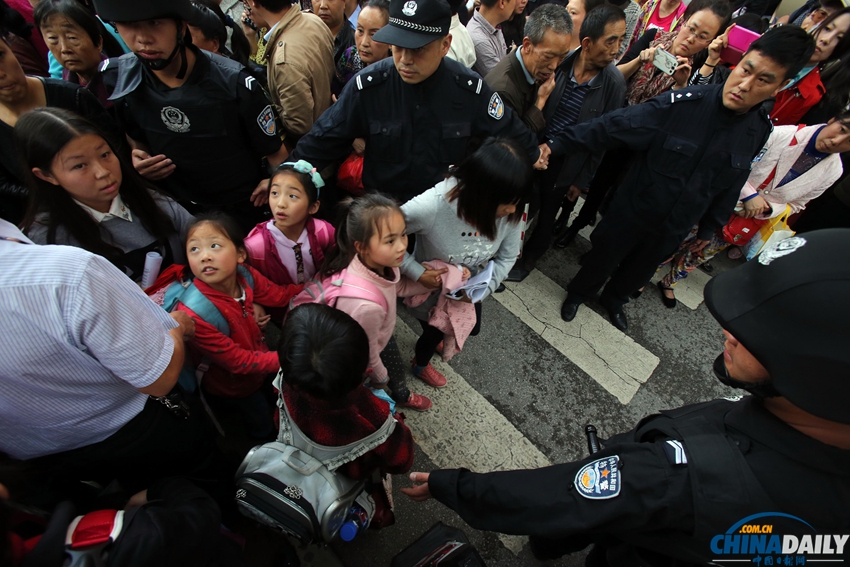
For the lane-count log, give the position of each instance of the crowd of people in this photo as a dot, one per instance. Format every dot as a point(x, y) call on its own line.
point(206, 166)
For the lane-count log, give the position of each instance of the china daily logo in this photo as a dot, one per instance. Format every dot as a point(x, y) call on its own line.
point(777, 539)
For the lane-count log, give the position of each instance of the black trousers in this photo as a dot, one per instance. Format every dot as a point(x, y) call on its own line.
point(625, 251)
point(610, 173)
point(550, 199)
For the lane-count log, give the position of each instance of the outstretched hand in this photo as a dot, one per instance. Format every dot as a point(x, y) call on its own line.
point(432, 278)
point(421, 492)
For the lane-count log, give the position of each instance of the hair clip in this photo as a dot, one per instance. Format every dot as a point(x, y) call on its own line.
point(302, 166)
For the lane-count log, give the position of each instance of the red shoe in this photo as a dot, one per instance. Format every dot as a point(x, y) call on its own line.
point(417, 402)
point(439, 348)
point(431, 376)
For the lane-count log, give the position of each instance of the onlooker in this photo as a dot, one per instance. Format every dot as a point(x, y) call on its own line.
point(213, 31)
point(832, 43)
point(798, 166)
point(20, 94)
point(417, 112)
point(514, 28)
point(88, 369)
point(664, 15)
point(332, 12)
point(710, 69)
point(374, 15)
point(200, 124)
point(632, 11)
point(588, 85)
point(462, 48)
point(79, 42)
point(578, 10)
point(300, 60)
point(526, 78)
point(483, 28)
point(17, 33)
point(676, 181)
point(84, 194)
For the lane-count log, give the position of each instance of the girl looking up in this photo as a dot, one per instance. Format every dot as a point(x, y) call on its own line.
point(371, 244)
point(469, 219)
point(83, 194)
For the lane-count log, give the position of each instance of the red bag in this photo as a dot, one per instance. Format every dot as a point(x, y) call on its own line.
point(350, 176)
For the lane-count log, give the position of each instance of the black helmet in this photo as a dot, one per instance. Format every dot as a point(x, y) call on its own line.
point(140, 10)
point(790, 308)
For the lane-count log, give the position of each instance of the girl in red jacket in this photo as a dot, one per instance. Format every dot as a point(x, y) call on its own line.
point(291, 247)
point(239, 363)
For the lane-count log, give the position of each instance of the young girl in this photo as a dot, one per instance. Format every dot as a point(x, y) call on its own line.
point(83, 194)
point(291, 247)
point(371, 243)
point(470, 218)
point(239, 363)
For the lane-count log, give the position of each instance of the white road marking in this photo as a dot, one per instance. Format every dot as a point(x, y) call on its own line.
point(607, 355)
point(463, 429)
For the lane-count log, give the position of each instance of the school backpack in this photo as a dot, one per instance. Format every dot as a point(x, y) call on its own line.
point(259, 240)
point(343, 284)
point(292, 485)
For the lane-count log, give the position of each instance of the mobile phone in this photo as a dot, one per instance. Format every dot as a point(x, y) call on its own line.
point(739, 42)
point(665, 61)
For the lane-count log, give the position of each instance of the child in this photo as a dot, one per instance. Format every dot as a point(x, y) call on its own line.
point(323, 357)
point(371, 243)
point(239, 363)
point(470, 218)
point(83, 194)
point(291, 247)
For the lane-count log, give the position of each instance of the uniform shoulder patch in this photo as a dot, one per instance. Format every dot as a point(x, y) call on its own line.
point(470, 82)
point(496, 108)
point(681, 97)
point(370, 79)
point(675, 452)
point(600, 479)
point(266, 120)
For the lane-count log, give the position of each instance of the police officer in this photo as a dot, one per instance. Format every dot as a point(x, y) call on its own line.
point(199, 123)
point(686, 485)
point(695, 147)
point(417, 112)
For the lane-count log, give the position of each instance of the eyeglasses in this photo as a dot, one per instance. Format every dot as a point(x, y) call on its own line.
point(692, 32)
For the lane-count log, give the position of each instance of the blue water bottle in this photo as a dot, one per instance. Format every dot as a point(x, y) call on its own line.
point(355, 522)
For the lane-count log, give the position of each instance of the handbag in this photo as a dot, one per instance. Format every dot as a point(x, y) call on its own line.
point(350, 175)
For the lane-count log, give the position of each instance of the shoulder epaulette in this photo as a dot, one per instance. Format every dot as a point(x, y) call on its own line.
point(676, 96)
point(368, 79)
point(470, 82)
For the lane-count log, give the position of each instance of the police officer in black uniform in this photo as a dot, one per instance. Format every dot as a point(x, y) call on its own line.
point(417, 112)
point(694, 147)
point(718, 481)
point(201, 125)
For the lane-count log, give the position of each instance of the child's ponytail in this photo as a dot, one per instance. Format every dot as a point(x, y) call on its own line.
point(361, 219)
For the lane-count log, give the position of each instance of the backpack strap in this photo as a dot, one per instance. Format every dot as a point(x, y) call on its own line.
point(256, 244)
point(246, 273)
point(358, 287)
point(189, 295)
point(331, 457)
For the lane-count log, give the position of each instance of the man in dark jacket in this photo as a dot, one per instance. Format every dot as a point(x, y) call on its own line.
point(526, 77)
point(587, 86)
point(694, 147)
point(688, 486)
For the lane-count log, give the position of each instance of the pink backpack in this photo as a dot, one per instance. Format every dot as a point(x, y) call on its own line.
point(342, 284)
point(260, 246)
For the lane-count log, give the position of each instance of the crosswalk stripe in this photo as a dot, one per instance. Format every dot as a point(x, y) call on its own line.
point(689, 291)
point(607, 355)
point(463, 429)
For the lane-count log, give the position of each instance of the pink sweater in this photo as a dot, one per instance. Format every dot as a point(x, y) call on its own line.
point(379, 326)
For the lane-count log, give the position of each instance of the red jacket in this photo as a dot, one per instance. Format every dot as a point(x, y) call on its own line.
point(241, 361)
point(792, 103)
point(356, 416)
point(263, 255)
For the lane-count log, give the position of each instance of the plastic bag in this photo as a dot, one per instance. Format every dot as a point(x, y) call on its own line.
point(350, 176)
point(775, 230)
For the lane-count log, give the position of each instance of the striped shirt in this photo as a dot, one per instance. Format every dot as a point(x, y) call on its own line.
point(569, 106)
point(80, 339)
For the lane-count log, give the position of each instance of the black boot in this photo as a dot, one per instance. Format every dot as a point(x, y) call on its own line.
point(568, 236)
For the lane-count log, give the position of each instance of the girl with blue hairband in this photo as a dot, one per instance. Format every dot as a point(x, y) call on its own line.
point(290, 248)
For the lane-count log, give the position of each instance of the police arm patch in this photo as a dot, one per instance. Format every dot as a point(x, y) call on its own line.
point(496, 108)
point(267, 122)
point(600, 479)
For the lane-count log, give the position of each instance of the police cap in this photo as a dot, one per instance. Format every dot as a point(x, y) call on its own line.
point(790, 308)
point(415, 23)
point(138, 10)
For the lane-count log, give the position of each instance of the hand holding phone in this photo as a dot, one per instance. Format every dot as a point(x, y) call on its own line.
point(665, 61)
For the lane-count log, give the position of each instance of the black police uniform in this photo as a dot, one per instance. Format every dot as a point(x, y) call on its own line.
point(413, 132)
point(662, 493)
point(216, 128)
point(693, 158)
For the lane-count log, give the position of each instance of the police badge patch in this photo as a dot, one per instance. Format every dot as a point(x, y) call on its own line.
point(409, 9)
point(497, 107)
point(267, 122)
point(175, 119)
point(599, 480)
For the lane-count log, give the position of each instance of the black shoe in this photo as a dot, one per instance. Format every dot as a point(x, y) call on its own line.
point(561, 223)
point(618, 318)
point(568, 237)
point(569, 310)
point(636, 294)
point(517, 274)
point(501, 288)
point(669, 302)
point(707, 267)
